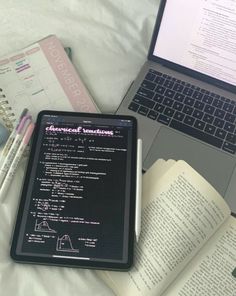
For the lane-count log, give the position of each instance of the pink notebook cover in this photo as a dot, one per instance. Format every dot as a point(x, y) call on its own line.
point(66, 74)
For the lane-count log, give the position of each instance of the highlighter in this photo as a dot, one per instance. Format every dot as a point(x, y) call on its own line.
point(4, 133)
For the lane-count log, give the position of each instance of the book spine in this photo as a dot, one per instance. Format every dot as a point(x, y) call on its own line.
point(6, 114)
point(67, 76)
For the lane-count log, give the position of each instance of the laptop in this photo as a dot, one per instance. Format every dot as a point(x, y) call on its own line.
point(184, 97)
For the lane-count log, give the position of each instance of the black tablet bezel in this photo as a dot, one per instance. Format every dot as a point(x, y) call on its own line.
point(77, 262)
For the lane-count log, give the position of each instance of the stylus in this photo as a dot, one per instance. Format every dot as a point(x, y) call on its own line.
point(15, 145)
point(16, 160)
point(138, 207)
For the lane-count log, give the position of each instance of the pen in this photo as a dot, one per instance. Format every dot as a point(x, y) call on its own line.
point(12, 136)
point(138, 206)
point(16, 160)
point(12, 151)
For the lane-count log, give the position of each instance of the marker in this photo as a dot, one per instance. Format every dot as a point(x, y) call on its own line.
point(25, 121)
point(12, 136)
point(138, 206)
point(4, 134)
point(12, 169)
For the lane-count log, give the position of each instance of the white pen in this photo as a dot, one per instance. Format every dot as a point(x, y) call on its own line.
point(15, 145)
point(138, 206)
point(15, 162)
point(11, 137)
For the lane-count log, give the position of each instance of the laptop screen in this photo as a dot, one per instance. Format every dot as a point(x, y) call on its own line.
point(199, 35)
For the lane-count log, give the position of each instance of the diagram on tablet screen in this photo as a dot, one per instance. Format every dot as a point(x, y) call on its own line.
point(43, 226)
point(64, 244)
point(43, 206)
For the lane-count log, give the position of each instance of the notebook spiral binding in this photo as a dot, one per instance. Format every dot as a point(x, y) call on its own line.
point(6, 114)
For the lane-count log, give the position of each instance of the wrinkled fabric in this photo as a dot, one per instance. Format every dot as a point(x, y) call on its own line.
point(109, 41)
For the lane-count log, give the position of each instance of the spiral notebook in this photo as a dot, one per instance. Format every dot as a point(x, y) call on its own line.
point(41, 76)
point(5, 113)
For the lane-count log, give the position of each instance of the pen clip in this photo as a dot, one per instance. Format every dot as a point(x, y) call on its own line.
point(23, 124)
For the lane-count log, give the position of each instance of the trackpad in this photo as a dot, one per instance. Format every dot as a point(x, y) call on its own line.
point(215, 166)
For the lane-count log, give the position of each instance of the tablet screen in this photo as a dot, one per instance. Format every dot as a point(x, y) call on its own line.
point(77, 205)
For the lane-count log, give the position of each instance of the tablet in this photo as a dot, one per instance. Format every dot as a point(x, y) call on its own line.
point(77, 204)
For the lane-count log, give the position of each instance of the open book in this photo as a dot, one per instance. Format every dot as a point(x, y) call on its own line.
point(188, 239)
point(38, 77)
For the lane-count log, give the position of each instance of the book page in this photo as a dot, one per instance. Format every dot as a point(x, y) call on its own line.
point(213, 270)
point(152, 176)
point(183, 212)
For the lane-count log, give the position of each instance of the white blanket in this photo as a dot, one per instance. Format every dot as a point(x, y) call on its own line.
point(109, 41)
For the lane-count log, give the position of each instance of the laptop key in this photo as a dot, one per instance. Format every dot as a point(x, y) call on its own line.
point(168, 102)
point(148, 84)
point(228, 107)
point(159, 108)
point(198, 114)
point(199, 124)
point(146, 93)
point(158, 98)
point(229, 127)
point(189, 120)
point(152, 114)
point(188, 91)
point(179, 115)
point(208, 118)
point(133, 106)
point(150, 76)
point(143, 110)
point(234, 111)
point(199, 105)
point(229, 147)
point(178, 87)
point(209, 109)
point(143, 101)
point(230, 117)
point(188, 110)
point(169, 112)
point(210, 129)
point(178, 106)
point(220, 133)
point(169, 93)
point(160, 89)
point(217, 103)
point(189, 130)
point(207, 99)
point(179, 97)
point(218, 122)
point(189, 101)
point(159, 80)
point(168, 83)
point(197, 95)
point(163, 119)
point(231, 138)
point(219, 113)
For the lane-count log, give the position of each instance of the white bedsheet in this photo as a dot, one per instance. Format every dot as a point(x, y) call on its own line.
point(109, 41)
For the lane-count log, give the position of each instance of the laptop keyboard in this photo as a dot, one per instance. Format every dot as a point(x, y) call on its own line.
point(187, 108)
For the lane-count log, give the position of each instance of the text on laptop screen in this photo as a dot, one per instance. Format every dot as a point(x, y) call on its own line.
point(200, 35)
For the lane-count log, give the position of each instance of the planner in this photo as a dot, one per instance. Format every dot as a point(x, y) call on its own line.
point(38, 77)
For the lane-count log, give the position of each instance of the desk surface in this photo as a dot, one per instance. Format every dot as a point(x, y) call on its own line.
point(109, 41)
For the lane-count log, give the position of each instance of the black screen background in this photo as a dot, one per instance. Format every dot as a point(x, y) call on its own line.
point(83, 215)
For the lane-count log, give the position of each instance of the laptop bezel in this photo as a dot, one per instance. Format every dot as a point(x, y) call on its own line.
point(177, 67)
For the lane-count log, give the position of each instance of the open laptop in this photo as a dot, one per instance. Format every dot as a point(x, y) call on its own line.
point(184, 97)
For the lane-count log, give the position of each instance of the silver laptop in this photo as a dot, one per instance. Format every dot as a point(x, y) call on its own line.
point(184, 97)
